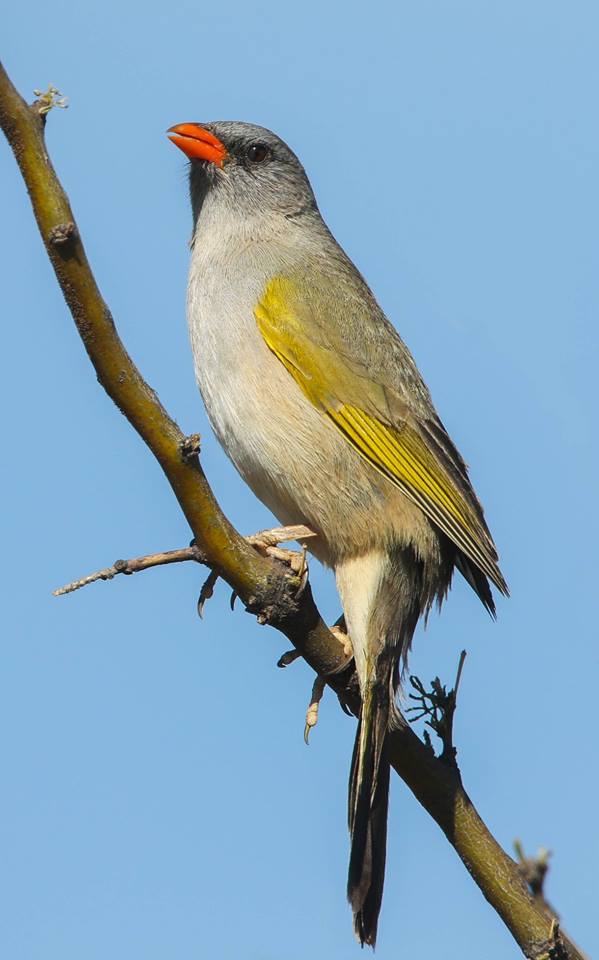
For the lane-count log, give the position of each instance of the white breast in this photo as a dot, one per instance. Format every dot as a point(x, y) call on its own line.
point(261, 418)
point(287, 451)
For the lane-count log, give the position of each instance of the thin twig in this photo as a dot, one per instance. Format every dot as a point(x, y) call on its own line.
point(133, 566)
point(533, 869)
point(265, 538)
point(438, 705)
point(458, 677)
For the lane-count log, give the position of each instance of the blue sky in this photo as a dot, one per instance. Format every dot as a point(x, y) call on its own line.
point(157, 799)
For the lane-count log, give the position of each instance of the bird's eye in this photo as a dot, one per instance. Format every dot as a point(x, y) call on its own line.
point(257, 152)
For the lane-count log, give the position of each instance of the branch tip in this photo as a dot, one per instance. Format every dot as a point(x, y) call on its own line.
point(50, 99)
point(135, 565)
point(190, 447)
point(533, 869)
point(438, 706)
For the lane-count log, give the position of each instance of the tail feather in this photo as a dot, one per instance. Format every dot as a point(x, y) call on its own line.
point(383, 594)
point(477, 580)
point(367, 815)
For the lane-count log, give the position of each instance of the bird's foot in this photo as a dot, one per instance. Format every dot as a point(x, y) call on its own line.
point(206, 592)
point(290, 656)
point(287, 658)
point(312, 711)
point(267, 543)
point(315, 697)
point(339, 631)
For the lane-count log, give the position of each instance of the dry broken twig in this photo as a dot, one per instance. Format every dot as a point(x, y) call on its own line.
point(533, 869)
point(438, 705)
point(133, 566)
point(267, 539)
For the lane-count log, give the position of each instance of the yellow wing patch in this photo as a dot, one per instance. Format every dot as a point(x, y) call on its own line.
point(401, 452)
point(397, 451)
point(402, 456)
point(314, 368)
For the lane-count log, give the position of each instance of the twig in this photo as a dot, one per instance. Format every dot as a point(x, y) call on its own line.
point(50, 99)
point(267, 538)
point(533, 869)
point(438, 705)
point(133, 566)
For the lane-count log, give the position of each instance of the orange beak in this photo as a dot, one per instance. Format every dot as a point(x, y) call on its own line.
point(197, 143)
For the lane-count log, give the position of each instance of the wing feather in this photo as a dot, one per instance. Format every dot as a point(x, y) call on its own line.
point(413, 453)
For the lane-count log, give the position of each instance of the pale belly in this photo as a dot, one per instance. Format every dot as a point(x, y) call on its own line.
point(291, 456)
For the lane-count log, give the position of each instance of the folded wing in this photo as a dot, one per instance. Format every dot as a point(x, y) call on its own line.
point(411, 449)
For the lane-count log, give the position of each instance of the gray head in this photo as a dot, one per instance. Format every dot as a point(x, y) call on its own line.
point(247, 167)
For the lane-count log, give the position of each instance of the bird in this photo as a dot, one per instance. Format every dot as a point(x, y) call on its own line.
point(319, 404)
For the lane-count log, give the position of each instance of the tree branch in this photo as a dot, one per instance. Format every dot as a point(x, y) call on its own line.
point(266, 539)
point(267, 588)
point(132, 566)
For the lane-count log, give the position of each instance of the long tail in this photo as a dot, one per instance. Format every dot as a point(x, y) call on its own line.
point(383, 593)
point(367, 813)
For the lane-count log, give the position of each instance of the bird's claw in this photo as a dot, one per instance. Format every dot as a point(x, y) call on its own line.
point(206, 592)
point(287, 658)
point(312, 711)
point(266, 542)
point(290, 656)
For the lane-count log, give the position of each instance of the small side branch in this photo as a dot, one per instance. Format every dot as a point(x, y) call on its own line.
point(534, 869)
point(266, 540)
point(133, 566)
point(438, 706)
